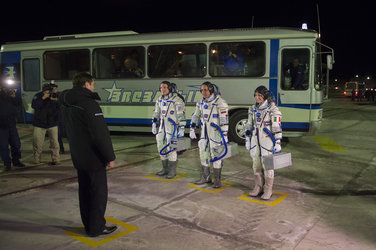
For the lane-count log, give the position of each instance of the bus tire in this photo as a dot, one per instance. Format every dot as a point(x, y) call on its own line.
point(237, 126)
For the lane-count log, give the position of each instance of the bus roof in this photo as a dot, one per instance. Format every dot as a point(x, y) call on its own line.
point(133, 38)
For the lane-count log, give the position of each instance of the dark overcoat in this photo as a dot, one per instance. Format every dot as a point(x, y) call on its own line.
point(89, 139)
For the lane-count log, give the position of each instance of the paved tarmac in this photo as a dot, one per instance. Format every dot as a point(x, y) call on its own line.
point(326, 200)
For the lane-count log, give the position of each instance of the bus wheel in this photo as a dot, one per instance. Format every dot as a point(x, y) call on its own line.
point(237, 127)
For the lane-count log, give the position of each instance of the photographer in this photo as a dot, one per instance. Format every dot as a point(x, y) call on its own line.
point(45, 119)
point(8, 130)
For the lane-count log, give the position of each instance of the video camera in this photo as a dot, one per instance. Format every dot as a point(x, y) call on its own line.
point(50, 87)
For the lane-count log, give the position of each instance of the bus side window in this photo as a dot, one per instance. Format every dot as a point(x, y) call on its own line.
point(295, 69)
point(63, 64)
point(179, 60)
point(237, 59)
point(31, 74)
point(121, 62)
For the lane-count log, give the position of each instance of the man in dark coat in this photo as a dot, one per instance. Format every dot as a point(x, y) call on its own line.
point(45, 120)
point(91, 150)
point(8, 130)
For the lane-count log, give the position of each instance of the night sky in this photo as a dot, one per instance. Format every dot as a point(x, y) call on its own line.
point(346, 27)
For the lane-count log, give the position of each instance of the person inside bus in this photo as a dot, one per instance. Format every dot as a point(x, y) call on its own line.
point(263, 137)
point(175, 70)
point(129, 69)
point(115, 65)
point(233, 62)
point(168, 125)
point(296, 70)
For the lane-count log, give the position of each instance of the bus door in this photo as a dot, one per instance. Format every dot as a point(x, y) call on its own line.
point(294, 85)
point(31, 80)
point(294, 88)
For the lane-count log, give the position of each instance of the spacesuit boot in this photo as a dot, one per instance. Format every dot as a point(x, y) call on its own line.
point(217, 177)
point(164, 170)
point(258, 185)
point(268, 188)
point(205, 176)
point(172, 169)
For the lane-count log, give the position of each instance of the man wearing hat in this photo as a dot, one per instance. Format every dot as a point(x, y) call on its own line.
point(45, 119)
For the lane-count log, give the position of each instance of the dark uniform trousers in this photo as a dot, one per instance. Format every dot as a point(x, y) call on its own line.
point(9, 136)
point(92, 193)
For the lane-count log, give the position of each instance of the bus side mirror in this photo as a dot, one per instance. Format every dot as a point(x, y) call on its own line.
point(329, 62)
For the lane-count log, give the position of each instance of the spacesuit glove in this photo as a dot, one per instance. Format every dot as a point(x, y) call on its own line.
point(154, 128)
point(248, 143)
point(192, 134)
point(247, 133)
point(277, 147)
point(181, 132)
point(226, 138)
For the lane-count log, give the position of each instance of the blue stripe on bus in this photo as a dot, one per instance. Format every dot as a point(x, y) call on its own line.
point(128, 121)
point(273, 83)
point(301, 106)
point(295, 125)
point(274, 48)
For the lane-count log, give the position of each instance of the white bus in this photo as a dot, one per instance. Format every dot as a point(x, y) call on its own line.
point(264, 56)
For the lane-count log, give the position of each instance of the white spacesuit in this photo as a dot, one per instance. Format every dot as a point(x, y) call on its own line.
point(263, 137)
point(213, 112)
point(169, 113)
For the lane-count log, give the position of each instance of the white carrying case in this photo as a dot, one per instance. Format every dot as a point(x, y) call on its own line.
point(277, 160)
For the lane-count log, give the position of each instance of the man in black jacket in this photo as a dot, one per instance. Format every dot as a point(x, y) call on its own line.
point(91, 150)
point(45, 120)
point(8, 130)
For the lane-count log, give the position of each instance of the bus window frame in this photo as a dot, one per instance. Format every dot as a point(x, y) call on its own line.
point(307, 70)
point(243, 44)
point(149, 67)
point(143, 61)
point(24, 87)
point(45, 63)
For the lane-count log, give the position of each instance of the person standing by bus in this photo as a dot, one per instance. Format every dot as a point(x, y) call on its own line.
point(212, 110)
point(91, 150)
point(263, 137)
point(8, 129)
point(45, 119)
point(169, 116)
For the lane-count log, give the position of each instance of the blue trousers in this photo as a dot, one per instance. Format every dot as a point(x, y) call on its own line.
point(9, 137)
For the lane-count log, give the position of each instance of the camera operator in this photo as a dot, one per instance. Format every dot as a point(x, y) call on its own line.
point(45, 119)
point(8, 130)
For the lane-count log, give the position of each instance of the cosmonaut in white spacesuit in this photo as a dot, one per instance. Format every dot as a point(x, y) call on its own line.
point(169, 115)
point(263, 137)
point(213, 112)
